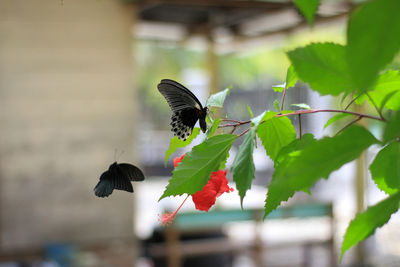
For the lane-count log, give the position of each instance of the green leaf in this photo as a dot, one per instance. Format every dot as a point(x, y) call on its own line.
point(214, 127)
point(291, 77)
point(176, 143)
point(366, 222)
point(257, 120)
point(276, 105)
point(194, 171)
point(218, 99)
point(276, 133)
point(315, 161)
point(296, 145)
point(392, 130)
point(308, 8)
point(336, 118)
point(243, 165)
point(302, 105)
point(373, 36)
point(250, 111)
point(323, 66)
point(279, 87)
point(386, 165)
point(384, 91)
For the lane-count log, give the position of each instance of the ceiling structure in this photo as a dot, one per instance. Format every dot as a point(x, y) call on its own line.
point(227, 21)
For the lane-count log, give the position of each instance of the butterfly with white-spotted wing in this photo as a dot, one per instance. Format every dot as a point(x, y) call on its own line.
point(186, 108)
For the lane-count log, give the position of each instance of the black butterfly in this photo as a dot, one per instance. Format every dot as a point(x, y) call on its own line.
point(118, 176)
point(185, 106)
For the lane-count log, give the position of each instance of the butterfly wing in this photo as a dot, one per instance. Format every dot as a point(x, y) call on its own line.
point(178, 96)
point(104, 187)
point(132, 172)
point(118, 177)
point(186, 108)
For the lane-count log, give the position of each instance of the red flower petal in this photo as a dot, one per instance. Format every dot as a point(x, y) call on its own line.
point(216, 186)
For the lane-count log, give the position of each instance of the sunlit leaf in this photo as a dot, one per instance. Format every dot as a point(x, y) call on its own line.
point(176, 143)
point(194, 171)
point(366, 223)
point(302, 105)
point(276, 133)
point(315, 161)
point(373, 36)
point(336, 118)
point(279, 87)
point(291, 77)
point(385, 91)
point(256, 120)
point(386, 165)
point(218, 99)
point(214, 127)
point(323, 66)
point(243, 165)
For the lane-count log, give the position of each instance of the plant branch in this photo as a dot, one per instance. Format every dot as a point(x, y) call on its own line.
point(244, 132)
point(375, 106)
point(349, 124)
point(283, 97)
point(352, 101)
point(236, 123)
point(330, 110)
point(300, 134)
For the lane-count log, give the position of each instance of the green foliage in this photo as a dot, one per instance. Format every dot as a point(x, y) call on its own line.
point(308, 8)
point(214, 127)
point(194, 171)
point(275, 133)
point(336, 118)
point(263, 116)
point(243, 165)
point(392, 130)
point(366, 223)
point(176, 143)
point(386, 166)
point(323, 66)
point(291, 77)
point(303, 168)
point(354, 70)
point(218, 99)
point(385, 91)
point(373, 36)
point(279, 87)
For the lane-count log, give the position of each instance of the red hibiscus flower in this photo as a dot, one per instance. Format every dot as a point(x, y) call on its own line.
point(205, 198)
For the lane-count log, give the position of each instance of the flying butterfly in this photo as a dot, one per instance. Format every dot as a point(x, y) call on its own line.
point(186, 108)
point(118, 176)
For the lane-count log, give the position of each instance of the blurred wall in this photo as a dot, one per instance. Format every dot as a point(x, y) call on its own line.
point(66, 103)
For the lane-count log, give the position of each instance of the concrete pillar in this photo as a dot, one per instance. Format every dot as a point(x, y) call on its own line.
point(66, 103)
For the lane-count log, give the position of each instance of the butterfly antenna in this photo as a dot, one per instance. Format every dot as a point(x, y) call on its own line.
point(117, 156)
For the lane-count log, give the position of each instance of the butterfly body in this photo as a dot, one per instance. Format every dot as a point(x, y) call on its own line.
point(118, 176)
point(186, 108)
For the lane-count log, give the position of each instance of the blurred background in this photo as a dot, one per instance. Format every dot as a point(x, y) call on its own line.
point(78, 91)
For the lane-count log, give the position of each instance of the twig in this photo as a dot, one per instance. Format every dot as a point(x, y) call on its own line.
point(376, 107)
point(300, 134)
point(330, 110)
point(349, 124)
point(244, 132)
point(300, 112)
point(352, 101)
point(283, 97)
